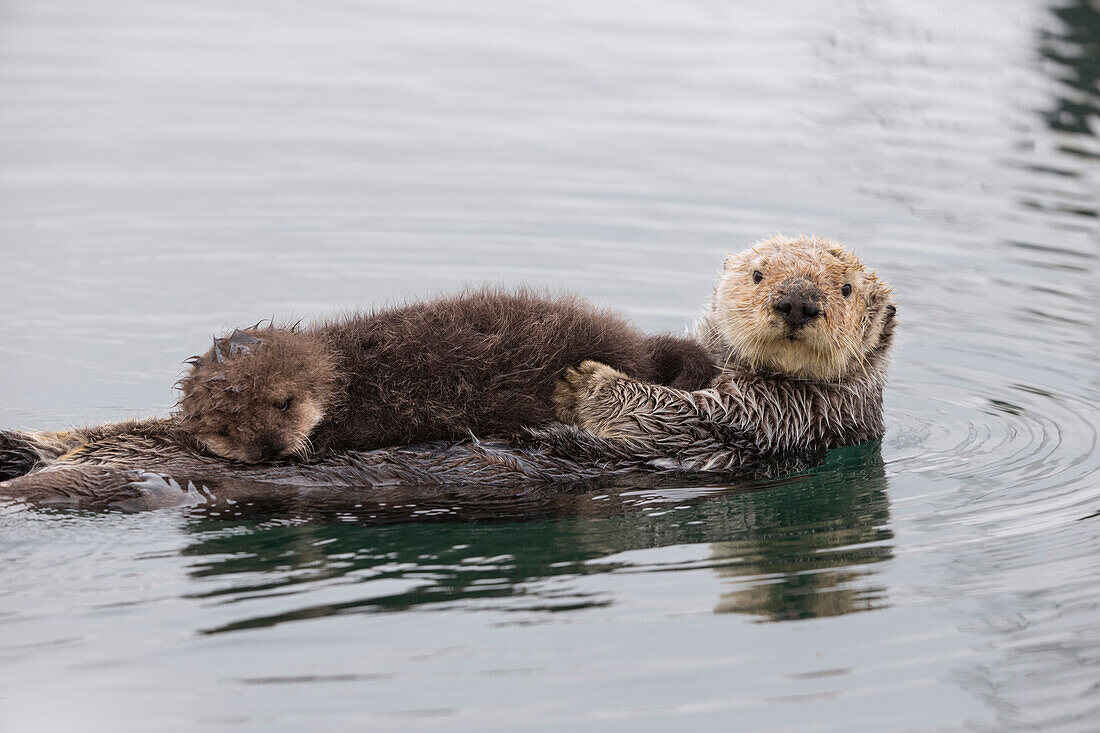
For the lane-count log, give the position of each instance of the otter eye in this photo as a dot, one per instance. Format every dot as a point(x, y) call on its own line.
point(284, 405)
point(757, 276)
point(846, 290)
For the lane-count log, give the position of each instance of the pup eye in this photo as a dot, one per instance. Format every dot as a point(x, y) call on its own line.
point(757, 276)
point(846, 290)
point(284, 405)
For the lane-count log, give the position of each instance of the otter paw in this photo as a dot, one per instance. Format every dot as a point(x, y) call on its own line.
point(577, 386)
point(17, 455)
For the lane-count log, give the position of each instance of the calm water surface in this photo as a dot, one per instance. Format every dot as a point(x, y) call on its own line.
point(171, 169)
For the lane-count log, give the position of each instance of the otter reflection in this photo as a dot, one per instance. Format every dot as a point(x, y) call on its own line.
point(1076, 53)
point(799, 545)
point(807, 546)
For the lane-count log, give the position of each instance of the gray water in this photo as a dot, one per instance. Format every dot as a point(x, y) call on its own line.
point(168, 170)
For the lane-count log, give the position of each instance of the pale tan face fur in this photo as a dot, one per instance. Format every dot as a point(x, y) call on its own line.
point(281, 433)
point(258, 394)
point(749, 327)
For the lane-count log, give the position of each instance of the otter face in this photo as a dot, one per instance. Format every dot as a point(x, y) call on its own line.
point(806, 307)
point(257, 394)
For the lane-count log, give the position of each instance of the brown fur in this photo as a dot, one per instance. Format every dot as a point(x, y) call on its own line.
point(781, 389)
point(483, 362)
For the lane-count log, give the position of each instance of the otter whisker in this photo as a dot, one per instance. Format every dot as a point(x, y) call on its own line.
point(303, 450)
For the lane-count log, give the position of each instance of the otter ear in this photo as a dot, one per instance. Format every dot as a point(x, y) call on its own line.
point(216, 353)
point(241, 342)
point(879, 296)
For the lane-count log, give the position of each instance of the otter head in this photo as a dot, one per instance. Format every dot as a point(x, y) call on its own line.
point(805, 307)
point(258, 393)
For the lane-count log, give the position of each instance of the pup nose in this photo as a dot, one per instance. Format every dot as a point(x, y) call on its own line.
point(796, 310)
point(268, 452)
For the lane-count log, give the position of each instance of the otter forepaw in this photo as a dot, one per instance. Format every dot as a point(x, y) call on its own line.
point(577, 386)
point(17, 455)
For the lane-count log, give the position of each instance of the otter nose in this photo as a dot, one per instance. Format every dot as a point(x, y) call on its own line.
point(796, 310)
point(266, 452)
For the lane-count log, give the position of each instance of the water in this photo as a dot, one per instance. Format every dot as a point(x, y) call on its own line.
point(169, 170)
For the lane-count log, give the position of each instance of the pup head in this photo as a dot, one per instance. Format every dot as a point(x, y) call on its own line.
point(806, 307)
point(258, 393)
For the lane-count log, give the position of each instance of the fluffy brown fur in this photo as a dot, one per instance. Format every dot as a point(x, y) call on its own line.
point(813, 384)
point(483, 362)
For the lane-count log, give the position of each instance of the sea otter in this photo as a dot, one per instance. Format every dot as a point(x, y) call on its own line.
point(483, 362)
point(800, 327)
point(801, 330)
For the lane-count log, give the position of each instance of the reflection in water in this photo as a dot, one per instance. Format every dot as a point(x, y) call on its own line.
point(807, 550)
point(800, 548)
point(1077, 51)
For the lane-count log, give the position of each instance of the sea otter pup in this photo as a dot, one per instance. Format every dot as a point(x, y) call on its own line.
point(483, 362)
point(801, 330)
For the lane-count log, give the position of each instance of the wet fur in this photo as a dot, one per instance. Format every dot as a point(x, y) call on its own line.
point(483, 362)
point(139, 465)
point(753, 413)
